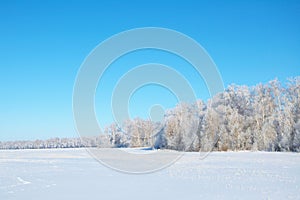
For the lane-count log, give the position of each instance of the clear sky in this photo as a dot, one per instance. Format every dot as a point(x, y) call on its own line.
point(43, 43)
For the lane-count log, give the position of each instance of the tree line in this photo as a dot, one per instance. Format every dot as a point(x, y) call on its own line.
point(265, 117)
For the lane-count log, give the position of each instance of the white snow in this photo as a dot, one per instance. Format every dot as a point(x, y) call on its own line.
point(73, 174)
point(23, 181)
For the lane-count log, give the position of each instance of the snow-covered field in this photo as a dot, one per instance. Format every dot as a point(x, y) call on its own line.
point(73, 174)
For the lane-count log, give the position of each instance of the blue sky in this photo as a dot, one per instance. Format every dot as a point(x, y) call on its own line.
point(43, 43)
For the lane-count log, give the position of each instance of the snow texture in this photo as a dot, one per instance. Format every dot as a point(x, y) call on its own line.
point(73, 174)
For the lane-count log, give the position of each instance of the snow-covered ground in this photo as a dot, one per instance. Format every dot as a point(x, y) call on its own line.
point(73, 174)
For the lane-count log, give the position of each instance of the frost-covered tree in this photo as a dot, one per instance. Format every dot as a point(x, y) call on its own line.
point(117, 136)
point(264, 117)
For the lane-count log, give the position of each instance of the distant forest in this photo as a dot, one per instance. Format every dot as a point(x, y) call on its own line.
point(265, 117)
